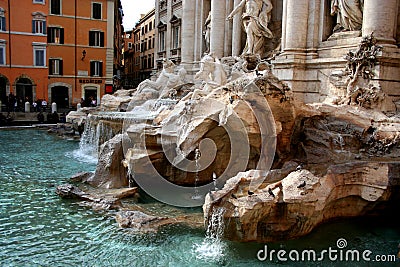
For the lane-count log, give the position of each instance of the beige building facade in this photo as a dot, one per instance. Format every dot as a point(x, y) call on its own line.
point(304, 47)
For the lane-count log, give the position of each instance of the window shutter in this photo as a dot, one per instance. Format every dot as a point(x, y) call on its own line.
point(50, 36)
point(91, 38)
point(101, 69)
point(61, 66)
point(61, 35)
point(3, 23)
point(33, 27)
point(50, 66)
point(101, 39)
point(91, 68)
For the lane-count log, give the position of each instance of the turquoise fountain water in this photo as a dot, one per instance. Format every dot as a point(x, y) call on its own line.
point(37, 228)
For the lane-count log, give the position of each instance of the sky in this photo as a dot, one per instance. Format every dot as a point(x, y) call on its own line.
point(133, 9)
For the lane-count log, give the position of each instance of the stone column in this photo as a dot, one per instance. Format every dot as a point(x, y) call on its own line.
point(237, 33)
point(228, 29)
point(188, 31)
point(296, 26)
point(380, 17)
point(218, 17)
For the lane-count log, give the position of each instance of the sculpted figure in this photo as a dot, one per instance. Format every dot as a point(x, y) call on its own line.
point(211, 71)
point(207, 32)
point(165, 81)
point(211, 75)
point(255, 18)
point(349, 14)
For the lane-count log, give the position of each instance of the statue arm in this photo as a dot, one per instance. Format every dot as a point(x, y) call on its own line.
point(239, 7)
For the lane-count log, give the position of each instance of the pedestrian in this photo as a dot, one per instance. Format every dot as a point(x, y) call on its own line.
point(44, 105)
point(34, 106)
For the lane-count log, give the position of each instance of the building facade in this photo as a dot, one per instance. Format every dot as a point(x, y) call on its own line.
point(23, 53)
point(139, 54)
point(61, 51)
point(304, 48)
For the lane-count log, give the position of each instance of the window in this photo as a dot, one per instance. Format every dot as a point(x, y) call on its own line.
point(39, 56)
point(96, 68)
point(162, 41)
point(2, 54)
point(129, 45)
point(55, 35)
point(55, 66)
point(39, 26)
point(38, 2)
point(55, 7)
point(150, 25)
point(96, 10)
point(2, 20)
point(150, 43)
point(176, 37)
point(96, 38)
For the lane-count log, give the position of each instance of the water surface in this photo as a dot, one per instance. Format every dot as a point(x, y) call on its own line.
point(37, 228)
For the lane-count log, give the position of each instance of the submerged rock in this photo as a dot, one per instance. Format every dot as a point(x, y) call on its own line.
point(99, 199)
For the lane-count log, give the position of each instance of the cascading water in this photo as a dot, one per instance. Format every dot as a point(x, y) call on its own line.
point(213, 247)
point(197, 156)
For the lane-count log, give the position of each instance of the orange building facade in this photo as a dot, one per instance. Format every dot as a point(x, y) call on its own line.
point(23, 40)
point(69, 59)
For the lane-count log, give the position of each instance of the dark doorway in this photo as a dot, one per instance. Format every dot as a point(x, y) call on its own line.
point(24, 89)
point(90, 94)
point(59, 94)
point(3, 91)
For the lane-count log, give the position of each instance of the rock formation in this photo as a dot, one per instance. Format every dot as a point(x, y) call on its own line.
point(276, 166)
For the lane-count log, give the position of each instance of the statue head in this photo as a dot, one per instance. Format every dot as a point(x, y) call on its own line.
point(168, 65)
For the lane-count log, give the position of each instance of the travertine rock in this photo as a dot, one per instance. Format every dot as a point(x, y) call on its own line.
point(292, 207)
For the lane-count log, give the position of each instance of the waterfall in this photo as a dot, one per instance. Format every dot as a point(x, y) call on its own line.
point(197, 156)
point(98, 130)
point(213, 247)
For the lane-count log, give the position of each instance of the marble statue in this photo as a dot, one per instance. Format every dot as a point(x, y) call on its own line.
point(165, 81)
point(211, 75)
point(349, 14)
point(255, 18)
point(207, 32)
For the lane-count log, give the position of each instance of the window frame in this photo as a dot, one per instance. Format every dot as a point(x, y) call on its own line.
point(96, 68)
point(3, 21)
point(55, 66)
point(52, 33)
point(101, 10)
point(99, 39)
point(161, 37)
point(3, 52)
point(39, 26)
point(39, 48)
point(60, 7)
point(176, 36)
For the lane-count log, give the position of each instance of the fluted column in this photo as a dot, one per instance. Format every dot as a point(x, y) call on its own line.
point(218, 16)
point(188, 31)
point(296, 26)
point(236, 33)
point(380, 17)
